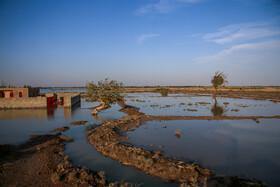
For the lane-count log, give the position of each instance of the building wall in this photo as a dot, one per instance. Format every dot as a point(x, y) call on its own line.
point(70, 98)
point(76, 99)
point(70, 101)
point(33, 92)
point(26, 92)
point(30, 102)
point(52, 95)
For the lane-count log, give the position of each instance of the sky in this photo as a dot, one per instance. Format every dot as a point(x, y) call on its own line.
point(139, 42)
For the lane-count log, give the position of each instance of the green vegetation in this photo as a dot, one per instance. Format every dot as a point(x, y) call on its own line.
point(106, 92)
point(217, 80)
point(163, 91)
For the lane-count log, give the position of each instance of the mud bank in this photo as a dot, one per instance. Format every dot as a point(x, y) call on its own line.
point(266, 93)
point(41, 162)
point(109, 139)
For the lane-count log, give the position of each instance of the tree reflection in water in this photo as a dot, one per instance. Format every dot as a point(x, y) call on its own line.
point(216, 109)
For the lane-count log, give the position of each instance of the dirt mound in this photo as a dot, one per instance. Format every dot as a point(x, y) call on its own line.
point(78, 123)
point(41, 161)
point(61, 129)
point(106, 139)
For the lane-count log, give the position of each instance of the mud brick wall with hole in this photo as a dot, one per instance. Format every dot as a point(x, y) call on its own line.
point(52, 95)
point(70, 101)
point(30, 102)
point(70, 98)
point(76, 99)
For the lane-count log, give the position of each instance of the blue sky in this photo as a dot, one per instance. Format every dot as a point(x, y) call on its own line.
point(139, 42)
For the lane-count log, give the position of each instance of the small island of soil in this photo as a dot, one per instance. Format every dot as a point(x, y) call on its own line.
point(41, 162)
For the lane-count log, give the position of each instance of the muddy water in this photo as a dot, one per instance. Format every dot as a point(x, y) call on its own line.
point(228, 147)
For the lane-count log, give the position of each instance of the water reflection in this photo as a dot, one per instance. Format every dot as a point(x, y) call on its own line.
point(228, 147)
point(98, 118)
point(36, 113)
point(216, 109)
point(25, 113)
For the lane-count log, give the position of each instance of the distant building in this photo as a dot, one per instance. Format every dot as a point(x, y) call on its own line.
point(19, 92)
point(31, 98)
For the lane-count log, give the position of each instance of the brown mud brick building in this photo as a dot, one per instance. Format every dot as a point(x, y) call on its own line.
point(11, 98)
point(19, 92)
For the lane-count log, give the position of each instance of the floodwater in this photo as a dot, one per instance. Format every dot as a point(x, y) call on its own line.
point(235, 147)
point(186, 105)
point(228, 147)
point(17, 125)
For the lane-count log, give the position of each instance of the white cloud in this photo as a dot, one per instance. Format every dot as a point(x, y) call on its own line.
point(238, 33)
point(249, 53)
point(162, 6)
point(144, 37)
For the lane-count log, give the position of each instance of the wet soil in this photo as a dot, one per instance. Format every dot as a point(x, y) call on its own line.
point(76, 123)
point(61, 129)
point(110, 140)
point(272, 94)
point(41, 162)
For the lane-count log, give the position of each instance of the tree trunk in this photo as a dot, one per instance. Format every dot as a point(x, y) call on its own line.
point(99, 108)
point(215, 92)
point(216, 103)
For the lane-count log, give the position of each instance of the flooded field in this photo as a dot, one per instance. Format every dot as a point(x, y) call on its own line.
point(228, 147)
point(187, 105)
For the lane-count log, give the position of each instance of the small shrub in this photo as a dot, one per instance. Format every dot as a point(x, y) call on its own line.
point(163, 91)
